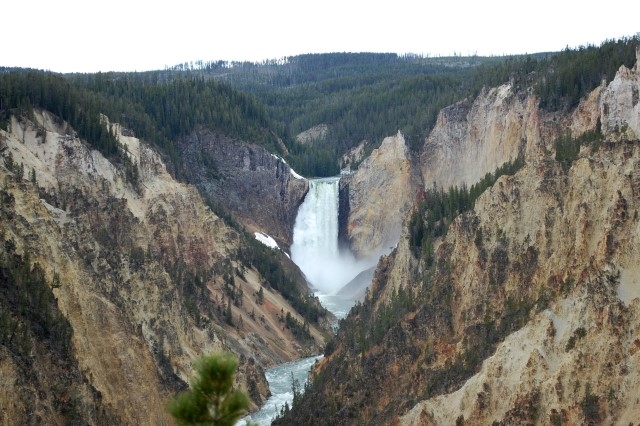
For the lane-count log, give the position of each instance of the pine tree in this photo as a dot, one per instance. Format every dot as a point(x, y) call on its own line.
point(211, 399)
point(228, 313)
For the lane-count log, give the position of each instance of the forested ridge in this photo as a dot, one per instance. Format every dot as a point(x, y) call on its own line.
point(360, 96)
point(161, 113)
point(368, 96)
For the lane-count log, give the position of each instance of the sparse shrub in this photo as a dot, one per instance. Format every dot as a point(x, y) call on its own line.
point(590, 405)
point(555, 418)
point(579, 333)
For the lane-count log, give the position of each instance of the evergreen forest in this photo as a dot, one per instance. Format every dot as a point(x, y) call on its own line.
point(359, 96)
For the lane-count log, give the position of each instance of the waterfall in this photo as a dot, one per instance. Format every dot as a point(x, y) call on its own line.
point(315, 239)
point(316, 228)
point(327, 269)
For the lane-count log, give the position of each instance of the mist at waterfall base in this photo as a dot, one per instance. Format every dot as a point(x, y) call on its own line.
point(315, 246)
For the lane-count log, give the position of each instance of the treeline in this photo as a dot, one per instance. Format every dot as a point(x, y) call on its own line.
point(360, 96)
point(438, 208)
point(371, 96)
point(303, 69)
point(567, 147)
point(162, 112)
point(156, 110)
point(561, 79)
point(368, 112)
point(20, 92)
point(567, 77)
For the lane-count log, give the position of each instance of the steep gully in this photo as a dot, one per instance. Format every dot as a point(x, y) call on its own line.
point(328, 269)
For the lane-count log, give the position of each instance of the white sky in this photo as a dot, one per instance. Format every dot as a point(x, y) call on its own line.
point(136, 35)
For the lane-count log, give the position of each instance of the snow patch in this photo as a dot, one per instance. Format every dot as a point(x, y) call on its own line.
point(293, 172)
point(266, 240)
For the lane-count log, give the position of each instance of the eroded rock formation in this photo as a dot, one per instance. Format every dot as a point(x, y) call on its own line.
point(376, 198)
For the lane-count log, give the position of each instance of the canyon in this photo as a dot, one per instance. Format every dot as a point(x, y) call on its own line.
point(524, 310)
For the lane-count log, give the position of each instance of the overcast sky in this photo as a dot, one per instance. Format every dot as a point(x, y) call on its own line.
point(135, 35)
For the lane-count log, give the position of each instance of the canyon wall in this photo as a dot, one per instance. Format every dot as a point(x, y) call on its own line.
point(527, 310)
point(147, 275)
point(257, 187)
point(375, 199)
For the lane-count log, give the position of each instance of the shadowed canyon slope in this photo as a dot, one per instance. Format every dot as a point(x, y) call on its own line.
point(147, 275)
point(258, 187)
point(526, 311)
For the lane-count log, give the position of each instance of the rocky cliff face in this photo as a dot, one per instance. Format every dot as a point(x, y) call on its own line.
point(258, 188)
point(562, 254)
point(620, 105)
point(575, 361)
point(472, 138)
point(528, 312)
point(148, 277)
point(376, 198)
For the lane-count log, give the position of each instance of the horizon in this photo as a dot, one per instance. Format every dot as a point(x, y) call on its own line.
point(70, 36)
point(194, 63)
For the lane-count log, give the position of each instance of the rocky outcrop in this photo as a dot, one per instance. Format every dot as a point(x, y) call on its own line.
point(620, 105)
point(472, 138)
point(376, 198)
point(315, 134)
point(469, 140)
point(570, 364)
point(258, 188)
point(148, 277)
point(352, 158)
point(576, 361)
point(568, 248)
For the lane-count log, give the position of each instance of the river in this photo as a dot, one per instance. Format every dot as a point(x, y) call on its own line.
point(279, 379)
point(316, 251)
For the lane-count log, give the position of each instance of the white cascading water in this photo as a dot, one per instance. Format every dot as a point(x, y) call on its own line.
point(315, 239)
